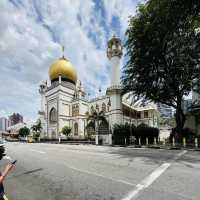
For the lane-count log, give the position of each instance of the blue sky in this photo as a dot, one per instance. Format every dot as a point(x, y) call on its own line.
point(31, 35)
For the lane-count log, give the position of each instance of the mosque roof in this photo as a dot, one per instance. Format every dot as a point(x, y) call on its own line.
point(63, 67)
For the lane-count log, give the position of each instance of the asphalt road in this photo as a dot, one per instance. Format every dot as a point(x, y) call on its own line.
point(86, 172)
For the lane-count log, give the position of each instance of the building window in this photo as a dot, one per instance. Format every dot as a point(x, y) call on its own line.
point(75, 110)
point(103, 107)
point(133, 114)
point(138, 115)
point(53, 115)
point(146, 114)
point(76, 129)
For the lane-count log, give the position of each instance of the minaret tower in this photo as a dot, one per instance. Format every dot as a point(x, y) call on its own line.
point(42, 116)
point(114, 54)
point(42, 91)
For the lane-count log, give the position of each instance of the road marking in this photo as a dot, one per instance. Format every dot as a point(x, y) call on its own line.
point(99, 175)
point(177, 156)
point(42, 152)
point(146, 182)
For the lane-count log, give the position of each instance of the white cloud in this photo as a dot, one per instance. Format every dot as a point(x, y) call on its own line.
point(31, 34)
point(122, 9)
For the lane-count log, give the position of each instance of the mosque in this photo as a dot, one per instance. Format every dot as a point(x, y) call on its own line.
point(64, 102)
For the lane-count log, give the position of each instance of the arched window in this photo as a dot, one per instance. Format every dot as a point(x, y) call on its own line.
point(53, 115)
point(53, 134)
point(103, 107)
point(75, 129)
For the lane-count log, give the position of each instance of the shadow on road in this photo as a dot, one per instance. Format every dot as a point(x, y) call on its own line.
point(25, 173)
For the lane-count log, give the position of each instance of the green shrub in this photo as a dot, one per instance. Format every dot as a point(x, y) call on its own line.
point(66, 130)
point(23, 132)
point(121, 132)
point(187, 133)
point(143, 131)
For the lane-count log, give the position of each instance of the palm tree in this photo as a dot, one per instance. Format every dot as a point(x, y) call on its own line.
point(37, 128)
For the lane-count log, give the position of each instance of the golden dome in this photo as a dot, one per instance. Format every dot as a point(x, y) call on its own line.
point(62, 67)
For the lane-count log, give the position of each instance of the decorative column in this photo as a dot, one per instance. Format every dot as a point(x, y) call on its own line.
point(114, 54)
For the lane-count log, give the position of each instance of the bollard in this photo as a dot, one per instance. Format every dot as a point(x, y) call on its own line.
point(155, 141)
point(59, 139)
point(184, 142)
point(196, 142)
point(147, 141)
point(125, 141)
point(173, 141)
point(139, 141)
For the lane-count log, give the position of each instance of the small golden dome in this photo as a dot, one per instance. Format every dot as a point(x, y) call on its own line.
point(62, 67)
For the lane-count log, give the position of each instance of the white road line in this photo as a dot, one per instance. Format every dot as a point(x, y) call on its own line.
point(99, 175)
point(42, 152)
point(146, 182)
point(177, 156)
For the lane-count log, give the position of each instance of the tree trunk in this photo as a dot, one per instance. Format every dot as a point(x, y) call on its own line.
point(180, 118)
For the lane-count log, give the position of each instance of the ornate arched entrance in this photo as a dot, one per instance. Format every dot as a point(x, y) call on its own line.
point(103, 127)
point(76, 129)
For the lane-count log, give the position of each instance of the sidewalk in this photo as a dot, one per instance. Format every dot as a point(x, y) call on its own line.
point(168, 147)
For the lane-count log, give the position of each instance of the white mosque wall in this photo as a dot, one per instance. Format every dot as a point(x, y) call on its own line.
point(116, 114)
point(99, 101)
point(81, 127)
point(151, 120)
point(83, 108)
point(81, 122)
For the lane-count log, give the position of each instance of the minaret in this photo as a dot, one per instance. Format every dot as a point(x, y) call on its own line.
point(114, 54)
point(42, 112)
point(42, 91)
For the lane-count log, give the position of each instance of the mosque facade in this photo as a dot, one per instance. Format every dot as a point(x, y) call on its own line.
point(64, 102)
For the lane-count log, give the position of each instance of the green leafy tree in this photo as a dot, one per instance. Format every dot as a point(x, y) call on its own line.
point(163, 51)
point(37, 128)
point(66, 130)
point(24, 132)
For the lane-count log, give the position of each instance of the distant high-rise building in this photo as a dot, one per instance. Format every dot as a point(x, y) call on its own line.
point(16, 118)
point(165, 110)
point(4, 124)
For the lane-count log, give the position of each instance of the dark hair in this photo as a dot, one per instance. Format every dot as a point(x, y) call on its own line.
point(2, 152)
